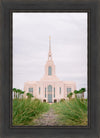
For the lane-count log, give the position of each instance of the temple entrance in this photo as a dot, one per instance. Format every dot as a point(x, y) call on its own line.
point(55, 101)
point(49, 94)
point(44, 101)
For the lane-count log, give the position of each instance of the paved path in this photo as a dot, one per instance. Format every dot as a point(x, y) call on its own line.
point(47, 119)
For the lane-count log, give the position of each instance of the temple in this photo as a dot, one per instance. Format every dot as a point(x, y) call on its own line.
point(49, 89)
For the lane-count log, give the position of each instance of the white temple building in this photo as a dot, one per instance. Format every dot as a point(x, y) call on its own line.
point(50, 88)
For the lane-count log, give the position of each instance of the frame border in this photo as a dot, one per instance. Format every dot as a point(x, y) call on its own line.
point(5, 7)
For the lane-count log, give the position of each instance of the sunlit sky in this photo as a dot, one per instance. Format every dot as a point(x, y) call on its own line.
point(68, 33)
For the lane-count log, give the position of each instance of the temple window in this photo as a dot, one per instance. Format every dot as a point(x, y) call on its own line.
point(49, 70)
point(60, 90)
point(45, 92)
point(49, 88)
point(39, 90)
point(30, 89)
point(68, 90)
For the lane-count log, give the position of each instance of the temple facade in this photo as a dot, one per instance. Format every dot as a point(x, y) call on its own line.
point(50, 88)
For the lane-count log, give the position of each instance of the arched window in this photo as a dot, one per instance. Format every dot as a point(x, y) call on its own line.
point(49, 88)
point(49, 70)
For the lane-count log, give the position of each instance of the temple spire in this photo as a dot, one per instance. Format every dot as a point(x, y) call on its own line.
point(49, 43)
point(49, 54)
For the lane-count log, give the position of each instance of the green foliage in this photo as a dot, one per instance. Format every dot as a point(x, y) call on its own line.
point(15, 92)
point(19, 91)
point(70, 95)
point(62, 100)
point(25, 110)
point(22, 92)
point(82, 90)
point(72, 112)
point(76, 92)
point(14, 89)
point(29, 95)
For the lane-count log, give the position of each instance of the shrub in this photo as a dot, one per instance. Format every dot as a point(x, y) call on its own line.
point(62, 100)
point(70, 95)
point(25, 110)
point(72, 112)
point(29, 95)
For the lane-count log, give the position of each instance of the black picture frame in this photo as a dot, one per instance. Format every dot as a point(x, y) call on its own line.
point(6, 8)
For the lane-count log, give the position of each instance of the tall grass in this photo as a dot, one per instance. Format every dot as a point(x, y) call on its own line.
point(72, 112)
point(25, 110)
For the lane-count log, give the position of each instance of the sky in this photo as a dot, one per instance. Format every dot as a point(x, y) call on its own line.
point(68, 33)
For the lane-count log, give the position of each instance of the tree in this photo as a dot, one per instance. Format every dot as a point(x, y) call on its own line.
point(70, 95)
point(81, 91)
point(15, 92)
point(19, 92)
point(76, 92)
point(29, 95)
point(22, 92)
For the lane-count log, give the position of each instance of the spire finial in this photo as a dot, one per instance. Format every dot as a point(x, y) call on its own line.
point(49, 43)
point(49, 54)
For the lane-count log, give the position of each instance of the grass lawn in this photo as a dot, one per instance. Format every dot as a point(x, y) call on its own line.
point(25, 110)
point(72, 112)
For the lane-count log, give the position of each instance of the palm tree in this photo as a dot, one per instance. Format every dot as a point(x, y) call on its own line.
point(19, 92)
point(29, 95)
point(70, 95)
point(76, 92)
point(81, 91)
point(22, 92)
point(15, 92)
